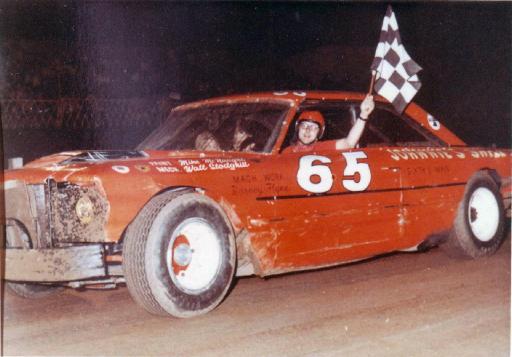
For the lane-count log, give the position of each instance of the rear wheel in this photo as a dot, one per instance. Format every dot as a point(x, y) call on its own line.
point(17, 237)
point(179, 255)
point(479, 227)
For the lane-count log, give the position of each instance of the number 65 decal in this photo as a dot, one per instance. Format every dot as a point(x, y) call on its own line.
point(314, 175)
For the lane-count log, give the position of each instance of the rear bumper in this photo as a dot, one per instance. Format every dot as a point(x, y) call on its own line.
point(55, 265)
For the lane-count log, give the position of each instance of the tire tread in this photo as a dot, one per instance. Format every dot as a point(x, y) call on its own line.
point(134, 253)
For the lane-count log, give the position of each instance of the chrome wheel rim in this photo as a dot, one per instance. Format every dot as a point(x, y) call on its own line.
point(483, 214)
point(194, 255)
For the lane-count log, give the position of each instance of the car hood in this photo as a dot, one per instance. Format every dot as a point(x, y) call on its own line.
point(89, 163)
point(86, 156)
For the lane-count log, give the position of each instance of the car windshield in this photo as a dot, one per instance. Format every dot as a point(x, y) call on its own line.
point(231, 127)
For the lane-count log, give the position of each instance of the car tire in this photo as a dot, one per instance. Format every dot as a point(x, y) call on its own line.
point(179, 255)
point(19, 238)
point(479, 226)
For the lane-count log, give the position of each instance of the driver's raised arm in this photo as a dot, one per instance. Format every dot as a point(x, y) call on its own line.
point(367, 106)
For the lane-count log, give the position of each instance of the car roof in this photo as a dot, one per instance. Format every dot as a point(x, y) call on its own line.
point(297, 96)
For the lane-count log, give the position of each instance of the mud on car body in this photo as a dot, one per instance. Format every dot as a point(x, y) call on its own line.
point(211, 195)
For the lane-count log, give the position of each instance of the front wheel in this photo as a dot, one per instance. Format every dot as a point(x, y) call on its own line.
point(479, 226)
point(179, 255)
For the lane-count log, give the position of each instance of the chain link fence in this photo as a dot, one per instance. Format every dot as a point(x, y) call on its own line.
point(83, 113)
point(33, 128)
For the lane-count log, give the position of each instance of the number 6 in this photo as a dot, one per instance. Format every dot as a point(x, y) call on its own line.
point(307, 170)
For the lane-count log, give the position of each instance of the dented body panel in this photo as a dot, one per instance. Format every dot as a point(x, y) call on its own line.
point(290, 211)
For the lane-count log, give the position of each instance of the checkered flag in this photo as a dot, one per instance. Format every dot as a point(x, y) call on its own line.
point(395, 70)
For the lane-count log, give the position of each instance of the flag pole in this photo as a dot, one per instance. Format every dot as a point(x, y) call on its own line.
point(374, 74)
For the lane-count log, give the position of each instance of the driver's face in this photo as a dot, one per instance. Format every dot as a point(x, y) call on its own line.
point(308, 132)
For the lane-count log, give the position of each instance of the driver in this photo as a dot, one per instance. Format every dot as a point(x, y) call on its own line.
point(311, 126)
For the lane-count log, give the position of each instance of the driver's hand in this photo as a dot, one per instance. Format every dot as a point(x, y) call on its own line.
point(367, 106)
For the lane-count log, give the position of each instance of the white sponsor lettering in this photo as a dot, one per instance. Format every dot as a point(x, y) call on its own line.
point(167, 169)
point(442, 153)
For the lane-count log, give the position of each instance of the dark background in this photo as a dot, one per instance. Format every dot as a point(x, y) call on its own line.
point(138, 59)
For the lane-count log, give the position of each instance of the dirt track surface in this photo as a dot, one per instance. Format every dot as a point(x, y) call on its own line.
point(422, 304)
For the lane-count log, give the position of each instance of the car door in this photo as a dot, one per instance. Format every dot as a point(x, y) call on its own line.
point(428, 182)
point(342, 206)
point(331, 206)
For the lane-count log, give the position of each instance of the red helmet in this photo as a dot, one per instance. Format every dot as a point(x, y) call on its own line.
point(315, 117)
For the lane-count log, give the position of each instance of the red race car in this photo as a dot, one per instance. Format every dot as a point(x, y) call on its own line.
point(213, 193)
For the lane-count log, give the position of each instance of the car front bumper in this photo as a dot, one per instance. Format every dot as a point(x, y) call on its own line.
point(56, 264)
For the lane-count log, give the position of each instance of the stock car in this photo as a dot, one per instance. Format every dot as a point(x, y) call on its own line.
point(211, 195)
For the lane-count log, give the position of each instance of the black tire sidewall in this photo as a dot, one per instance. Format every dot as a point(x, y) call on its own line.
point(173, 299)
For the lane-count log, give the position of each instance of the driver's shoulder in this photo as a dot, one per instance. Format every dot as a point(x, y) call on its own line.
point(318, 146)
point(325, 145)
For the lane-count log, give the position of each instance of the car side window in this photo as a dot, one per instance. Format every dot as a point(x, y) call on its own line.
point(387, 128)
point(338, 121)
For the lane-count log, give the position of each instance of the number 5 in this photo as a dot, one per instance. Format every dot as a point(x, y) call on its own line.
point(353, 167)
